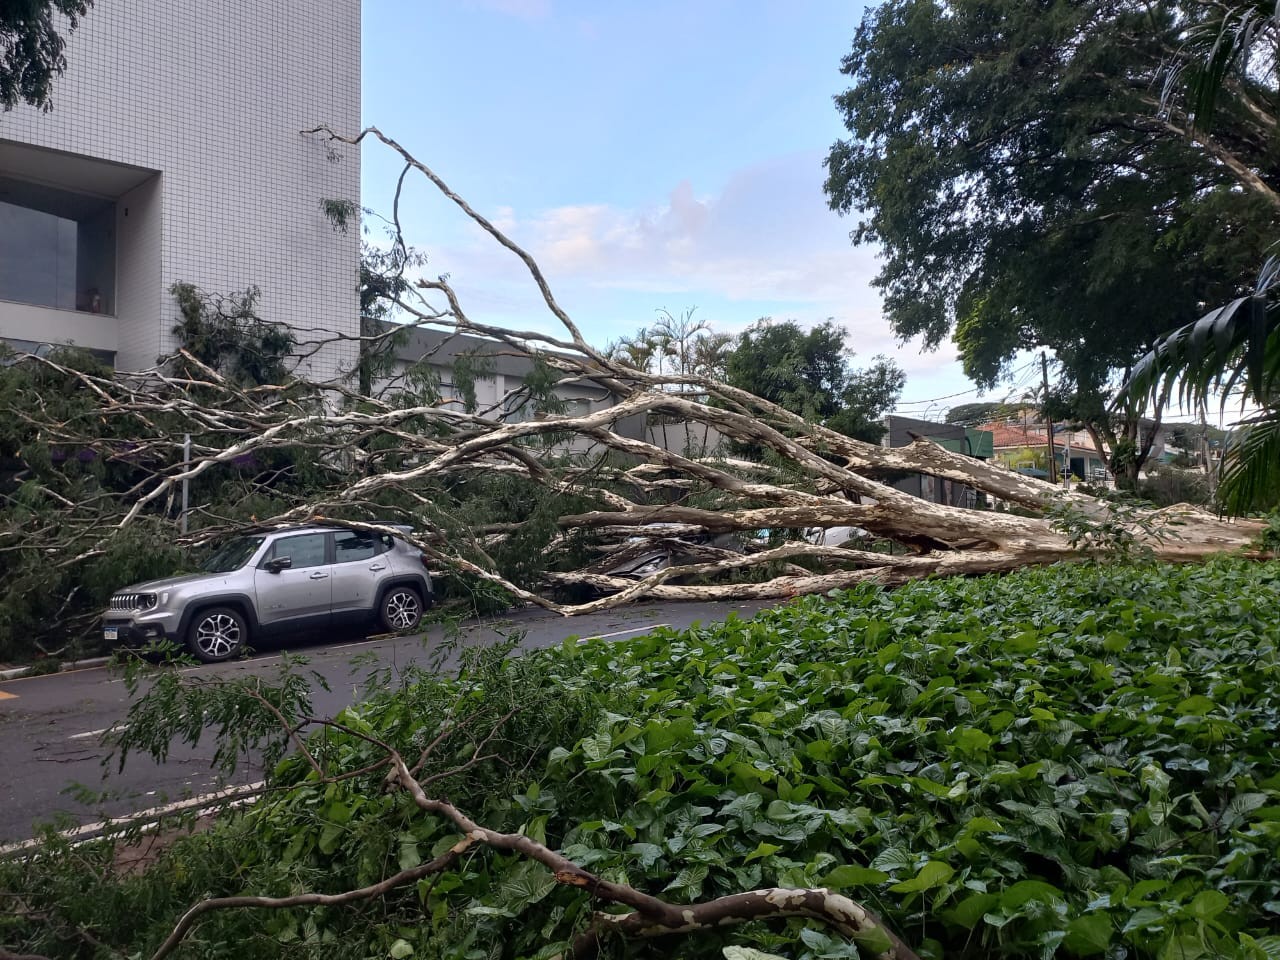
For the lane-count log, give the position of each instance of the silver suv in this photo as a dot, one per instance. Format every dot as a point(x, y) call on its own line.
point(305, 578)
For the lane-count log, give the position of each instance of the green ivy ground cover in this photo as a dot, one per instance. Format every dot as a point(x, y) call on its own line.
point(1064, 762)
point(1068, 762)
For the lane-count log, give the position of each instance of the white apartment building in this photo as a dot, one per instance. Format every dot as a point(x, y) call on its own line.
point(173, 153)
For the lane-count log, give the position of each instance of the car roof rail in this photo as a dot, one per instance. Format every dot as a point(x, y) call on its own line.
point(393, 524)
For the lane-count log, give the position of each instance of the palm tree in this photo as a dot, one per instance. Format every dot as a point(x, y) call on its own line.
point(677, 337)
point(709, 356)
point(1232, 352)
point(637, 351)
point(1228, 62)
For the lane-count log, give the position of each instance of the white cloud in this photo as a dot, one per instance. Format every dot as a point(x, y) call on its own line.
point(767, 235)
point(766, 242)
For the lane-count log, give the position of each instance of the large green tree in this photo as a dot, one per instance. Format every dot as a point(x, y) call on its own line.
point(31, 48)
point(1028, 189)
point(974, 414)
point(808, 372)
point(1228, 66)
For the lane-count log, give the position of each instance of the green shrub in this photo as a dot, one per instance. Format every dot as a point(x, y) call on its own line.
point(1075, 761)
point(1166, 485)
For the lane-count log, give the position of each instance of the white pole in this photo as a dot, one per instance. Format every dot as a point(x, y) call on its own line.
point(186, 483)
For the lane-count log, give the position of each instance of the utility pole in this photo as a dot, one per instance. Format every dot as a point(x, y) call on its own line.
point(186, 483)
point(1066, 460)
point(1053, 462)
point(1211, 476)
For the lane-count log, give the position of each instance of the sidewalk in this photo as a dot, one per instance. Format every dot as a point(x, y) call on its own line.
point(11, 672)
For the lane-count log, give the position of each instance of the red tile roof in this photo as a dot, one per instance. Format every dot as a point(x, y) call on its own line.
point(1013, 436)
point(1005, 435)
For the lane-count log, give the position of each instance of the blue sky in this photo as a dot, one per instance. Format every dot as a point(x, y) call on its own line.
point(650, 156)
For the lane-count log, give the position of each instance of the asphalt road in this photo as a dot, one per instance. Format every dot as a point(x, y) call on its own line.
point(51, 727)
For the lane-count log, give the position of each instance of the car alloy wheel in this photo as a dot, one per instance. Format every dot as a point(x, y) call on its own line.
point(217, 635)
point(402, 609)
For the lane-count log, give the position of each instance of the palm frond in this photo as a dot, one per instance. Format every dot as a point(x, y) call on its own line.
point(1251, 474)
point(1215, 50)
point(1236, 345)
point(1200, 359)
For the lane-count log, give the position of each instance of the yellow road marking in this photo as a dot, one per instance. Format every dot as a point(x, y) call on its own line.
point(8, 696)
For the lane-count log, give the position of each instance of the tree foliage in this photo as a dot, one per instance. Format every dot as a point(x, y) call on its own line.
point(31, 48)
point(1068, 762)
point(1013, 161)
point(225, 334)
point(1228, 67)
point(383, 282)
point(1233, 351)
point(973, 414)
point(679, 344)
point(808, 373)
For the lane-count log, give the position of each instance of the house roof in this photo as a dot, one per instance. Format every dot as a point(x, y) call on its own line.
point(949, 436)
point(1007, 435)
point(1014, 436)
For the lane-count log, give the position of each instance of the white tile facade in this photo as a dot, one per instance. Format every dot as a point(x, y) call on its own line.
point(213, 96)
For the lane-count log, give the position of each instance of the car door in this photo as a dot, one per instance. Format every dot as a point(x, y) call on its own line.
point(302, 593)
point(358, 568)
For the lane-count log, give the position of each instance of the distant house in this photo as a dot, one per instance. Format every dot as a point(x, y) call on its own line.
point(900, 431)
point(499, 390)
point(499, 380)
point(1025, 447)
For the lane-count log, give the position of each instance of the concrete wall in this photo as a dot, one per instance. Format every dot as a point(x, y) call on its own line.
point(31, 324)
point(140, 289)
point(212, 97)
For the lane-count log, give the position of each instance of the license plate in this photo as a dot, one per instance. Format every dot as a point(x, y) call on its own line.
point(110, 633)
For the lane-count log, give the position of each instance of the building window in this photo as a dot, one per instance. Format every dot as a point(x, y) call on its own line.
point(57, 248)
point(577, 407)
point(518, 407)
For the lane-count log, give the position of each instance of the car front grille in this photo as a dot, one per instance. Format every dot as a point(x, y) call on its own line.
point(133, 601)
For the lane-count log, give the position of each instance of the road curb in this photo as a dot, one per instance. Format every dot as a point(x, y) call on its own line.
point(18, 672)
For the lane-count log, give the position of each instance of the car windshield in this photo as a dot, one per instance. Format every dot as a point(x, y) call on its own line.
point(232, 555)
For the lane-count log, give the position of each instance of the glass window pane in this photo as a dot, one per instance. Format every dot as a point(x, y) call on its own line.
point(37, 257)
point(57, 248)
point(305, 550)
point(352, 545)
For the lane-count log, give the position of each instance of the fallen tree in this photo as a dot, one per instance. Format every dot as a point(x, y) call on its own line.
point(404, 454)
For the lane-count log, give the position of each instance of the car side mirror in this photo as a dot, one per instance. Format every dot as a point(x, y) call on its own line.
point(279, 563)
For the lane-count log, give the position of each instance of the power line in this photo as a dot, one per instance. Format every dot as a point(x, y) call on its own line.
point(964, 393)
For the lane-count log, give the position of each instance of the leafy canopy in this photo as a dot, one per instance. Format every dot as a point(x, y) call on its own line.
point(808, 373)
point(1012, 162)
point(31, 49)
point(1228, 70)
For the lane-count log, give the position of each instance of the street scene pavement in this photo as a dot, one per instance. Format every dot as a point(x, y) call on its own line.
point(52, 727)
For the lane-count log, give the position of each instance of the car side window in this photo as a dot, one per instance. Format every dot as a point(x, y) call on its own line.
point(304, 550)
point(352, 545)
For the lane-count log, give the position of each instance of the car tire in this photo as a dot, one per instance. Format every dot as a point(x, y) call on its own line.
point(401, 609)
point(217, 634)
